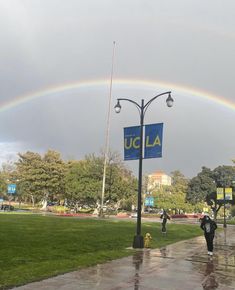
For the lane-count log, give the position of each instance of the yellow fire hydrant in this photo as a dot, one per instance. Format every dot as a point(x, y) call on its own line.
point(147, 240)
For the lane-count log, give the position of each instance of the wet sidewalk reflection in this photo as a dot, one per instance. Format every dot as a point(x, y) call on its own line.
point(182, 266)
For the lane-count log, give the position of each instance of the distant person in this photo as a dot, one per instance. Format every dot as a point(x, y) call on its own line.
point(209, 227)
point(164, 216)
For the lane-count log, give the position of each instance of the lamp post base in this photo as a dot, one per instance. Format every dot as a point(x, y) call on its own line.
point(138, 242)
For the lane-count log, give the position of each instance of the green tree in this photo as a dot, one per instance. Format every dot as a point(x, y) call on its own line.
point(7, 176)
point(178, 191)
point(203, 186)
point(52, 177)
point(40, 177)
point(121, 185)
point(173, 197)
point(29, 170)
point(223, 177)
point(163, 197)
point(83, 182)
point(200, 186)
point(3, 184)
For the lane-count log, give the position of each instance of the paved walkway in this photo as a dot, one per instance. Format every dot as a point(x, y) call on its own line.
point(181, 266)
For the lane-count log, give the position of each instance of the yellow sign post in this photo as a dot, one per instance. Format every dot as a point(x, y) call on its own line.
point(220, 193)
point(228, 193)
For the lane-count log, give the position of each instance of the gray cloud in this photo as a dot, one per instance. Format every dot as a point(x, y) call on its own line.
point(49, 43)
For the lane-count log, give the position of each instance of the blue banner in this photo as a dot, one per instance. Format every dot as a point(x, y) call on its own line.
point(131, 143)
point(149, 201)
point(153, 141)
point(11, 188)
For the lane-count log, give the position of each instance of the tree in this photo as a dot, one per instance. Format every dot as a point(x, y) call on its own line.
point(3, 184)
point(178, 191)
point(6, 177)
point(163, 197)
point(223, 177)
point(28, 169)
point(40, 176)
point(121, 185)
point(173, 197)
point(53, 176)
point(83, 182)
point(201, 186)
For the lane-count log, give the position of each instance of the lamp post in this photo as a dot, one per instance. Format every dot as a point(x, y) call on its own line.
point(142, 108)
point(223, 184)
point(225, 224)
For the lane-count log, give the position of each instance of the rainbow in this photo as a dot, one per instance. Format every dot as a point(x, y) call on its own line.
point(129, 83)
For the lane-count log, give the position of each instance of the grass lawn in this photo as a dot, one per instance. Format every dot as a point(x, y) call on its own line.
point(34, 247)
point(228, 221)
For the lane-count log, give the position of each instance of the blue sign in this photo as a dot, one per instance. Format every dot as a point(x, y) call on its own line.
point(153, 141)
point(149, 201)
point(131, 143)
point(11, 188)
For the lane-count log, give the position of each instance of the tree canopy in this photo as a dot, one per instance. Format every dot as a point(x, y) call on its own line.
point(42, 178)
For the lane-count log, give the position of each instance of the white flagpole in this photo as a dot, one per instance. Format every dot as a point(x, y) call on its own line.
point(101, 213)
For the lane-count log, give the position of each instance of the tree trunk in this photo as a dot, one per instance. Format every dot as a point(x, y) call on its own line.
point(32, 199)
point(44, 201)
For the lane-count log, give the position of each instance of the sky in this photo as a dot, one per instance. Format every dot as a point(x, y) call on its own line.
point(56, 60)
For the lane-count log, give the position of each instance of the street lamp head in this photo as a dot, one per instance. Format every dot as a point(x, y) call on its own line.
point(117, 107)
point(169, 101)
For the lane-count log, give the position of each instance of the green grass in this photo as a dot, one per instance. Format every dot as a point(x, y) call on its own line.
point(34, 247)
point(228, 221)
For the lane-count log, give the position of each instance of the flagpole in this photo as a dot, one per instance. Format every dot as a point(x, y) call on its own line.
point(101, 213)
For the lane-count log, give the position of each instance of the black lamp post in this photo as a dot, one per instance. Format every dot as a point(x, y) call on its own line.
point(225, 224)
point(138, 238)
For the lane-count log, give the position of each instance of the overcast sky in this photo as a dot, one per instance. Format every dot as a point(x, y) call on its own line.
point(182, 43)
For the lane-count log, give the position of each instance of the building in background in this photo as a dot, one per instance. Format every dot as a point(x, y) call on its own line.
point(158, 179)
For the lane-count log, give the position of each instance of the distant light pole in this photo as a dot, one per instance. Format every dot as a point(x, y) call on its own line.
point(221, 190)
point(138, 238)
point(223, 184)
point(225, 224)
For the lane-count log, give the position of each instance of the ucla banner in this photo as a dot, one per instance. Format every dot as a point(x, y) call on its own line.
point(153, 141)
point(224, 193)
point(11, 188)
point(131, 143)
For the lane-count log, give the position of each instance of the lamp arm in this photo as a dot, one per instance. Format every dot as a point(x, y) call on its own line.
point(150, 101)
point(131, 101)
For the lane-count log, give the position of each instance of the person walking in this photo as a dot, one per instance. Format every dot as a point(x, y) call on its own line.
point(164, 216)
point(208, 226)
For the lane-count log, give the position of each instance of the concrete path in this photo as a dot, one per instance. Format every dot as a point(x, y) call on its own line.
point(181, 266)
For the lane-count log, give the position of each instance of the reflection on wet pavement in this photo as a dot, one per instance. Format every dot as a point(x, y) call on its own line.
point(181, 266)
point(210, 281)
point(137, 262)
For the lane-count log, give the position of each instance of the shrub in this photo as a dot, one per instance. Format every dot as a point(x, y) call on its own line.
point(233, 211)
point(58, 209)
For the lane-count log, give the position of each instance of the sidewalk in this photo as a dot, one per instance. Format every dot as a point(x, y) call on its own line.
point(181, 266)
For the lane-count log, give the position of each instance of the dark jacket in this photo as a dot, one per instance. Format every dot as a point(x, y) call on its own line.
point(208, 225)
point(164, 217)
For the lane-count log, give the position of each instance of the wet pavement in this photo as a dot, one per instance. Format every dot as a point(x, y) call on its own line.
point(182, 266)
